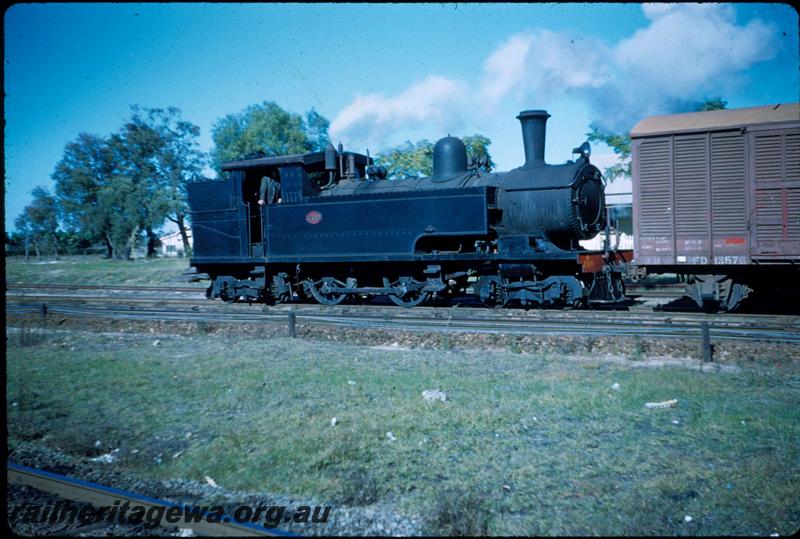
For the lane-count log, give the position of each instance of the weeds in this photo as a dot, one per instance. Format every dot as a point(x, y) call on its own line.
point(638, 349)
point(28, 336)
point(257, 416)
point(205, 327)
point(357, 486)
point(460, 513)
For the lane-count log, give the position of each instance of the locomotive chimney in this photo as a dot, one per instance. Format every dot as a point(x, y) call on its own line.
point(533, 130)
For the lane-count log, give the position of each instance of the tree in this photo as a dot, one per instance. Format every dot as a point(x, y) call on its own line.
point(126, 184)
point(716, 103)
point(478, 150)
point(38, 222)
point(620, 143)
point(266, 130)
point(416, 160)
point(408, 160)
point(178, 161)
point(140, 204)
point(317, 130)
point(85, 170)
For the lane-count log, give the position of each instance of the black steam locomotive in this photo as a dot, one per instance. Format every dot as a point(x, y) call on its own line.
point(332, 227)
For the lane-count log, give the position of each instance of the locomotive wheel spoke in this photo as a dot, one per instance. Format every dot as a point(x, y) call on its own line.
point(324, 290)
point(413, 296)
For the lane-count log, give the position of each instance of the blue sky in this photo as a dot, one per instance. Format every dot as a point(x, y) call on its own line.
point(382, 73)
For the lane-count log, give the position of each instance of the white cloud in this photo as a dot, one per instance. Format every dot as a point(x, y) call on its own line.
point(690, 50)
point(542, 63)
point(505, 68)
point(687, 52)
point(375, 117)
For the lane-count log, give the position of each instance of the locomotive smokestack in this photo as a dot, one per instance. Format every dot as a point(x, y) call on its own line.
point(533, 130)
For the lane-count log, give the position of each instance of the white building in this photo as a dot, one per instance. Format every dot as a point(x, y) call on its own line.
point(172, 244)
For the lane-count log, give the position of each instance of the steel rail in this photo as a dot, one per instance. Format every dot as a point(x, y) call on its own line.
point(474, 311)
point(106, 299)
point(104, 496)
point(131, 288)
point(670, 328)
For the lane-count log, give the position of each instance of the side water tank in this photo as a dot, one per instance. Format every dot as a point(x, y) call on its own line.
point(449, 158)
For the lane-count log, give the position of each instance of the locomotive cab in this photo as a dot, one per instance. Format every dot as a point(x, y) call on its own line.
point(292, 179)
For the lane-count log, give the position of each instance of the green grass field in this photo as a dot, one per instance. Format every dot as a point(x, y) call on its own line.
point(524, 444)
point(97, 270)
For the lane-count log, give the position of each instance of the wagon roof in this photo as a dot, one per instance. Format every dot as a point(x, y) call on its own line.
point(717, 119)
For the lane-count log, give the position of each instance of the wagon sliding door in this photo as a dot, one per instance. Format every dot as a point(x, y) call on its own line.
point(775, 212)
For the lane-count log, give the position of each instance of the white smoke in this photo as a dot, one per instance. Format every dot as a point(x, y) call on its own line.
point(375, 117)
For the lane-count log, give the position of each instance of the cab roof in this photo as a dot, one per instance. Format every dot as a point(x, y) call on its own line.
point(310, 159)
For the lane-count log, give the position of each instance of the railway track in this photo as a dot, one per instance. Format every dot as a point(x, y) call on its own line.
point(103, 496)
point(454, 320)
point(669, 289)
point(110, 288)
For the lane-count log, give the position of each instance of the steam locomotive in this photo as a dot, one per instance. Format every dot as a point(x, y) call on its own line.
point(333, 227)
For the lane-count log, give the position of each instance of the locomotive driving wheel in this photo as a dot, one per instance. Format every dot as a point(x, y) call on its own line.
point(408, 293)
point(324, 290)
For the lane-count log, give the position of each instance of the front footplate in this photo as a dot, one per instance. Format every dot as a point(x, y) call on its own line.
point(606, 270)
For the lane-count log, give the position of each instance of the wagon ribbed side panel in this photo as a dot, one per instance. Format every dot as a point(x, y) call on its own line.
point(775, 165)
point(692, 199)
point(653, 195)
point(729, 198)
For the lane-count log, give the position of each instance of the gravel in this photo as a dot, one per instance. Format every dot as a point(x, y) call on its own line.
point(377, 519)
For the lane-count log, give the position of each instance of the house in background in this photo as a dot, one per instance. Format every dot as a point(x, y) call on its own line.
point(172, 244)
point(619, 201)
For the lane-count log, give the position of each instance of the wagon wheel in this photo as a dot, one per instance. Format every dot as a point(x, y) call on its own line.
point(324, 290)
point(413, 296)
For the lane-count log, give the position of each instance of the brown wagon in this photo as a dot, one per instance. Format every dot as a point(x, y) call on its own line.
point(716, 197)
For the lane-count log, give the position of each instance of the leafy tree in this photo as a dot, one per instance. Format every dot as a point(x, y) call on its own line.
point(73, 242)
point(620, 143)
point(38, 222)
point(416, 160)
point(177, 161)
point(122, 198)
point(135, 195)
point(317, 130)
point(716, 103)
point(408, 159)
point(478, 150)
point(85, 170)
point(266, 130)
point(117, 187)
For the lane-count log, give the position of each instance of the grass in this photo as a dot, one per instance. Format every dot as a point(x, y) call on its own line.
point(97, 270)
point(525, 444)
